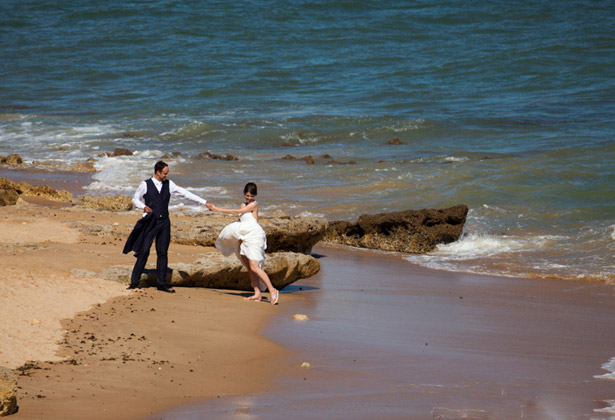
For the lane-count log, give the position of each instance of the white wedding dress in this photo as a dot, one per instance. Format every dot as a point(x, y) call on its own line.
point(244, 237)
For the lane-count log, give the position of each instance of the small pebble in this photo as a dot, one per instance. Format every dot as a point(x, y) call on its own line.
point(305, 365)
point(300, 317)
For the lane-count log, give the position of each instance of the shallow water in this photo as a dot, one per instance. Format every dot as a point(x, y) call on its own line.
point(504, 106)
point(387, 339)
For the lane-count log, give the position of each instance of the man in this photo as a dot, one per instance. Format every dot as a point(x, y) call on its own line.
point(152, 196)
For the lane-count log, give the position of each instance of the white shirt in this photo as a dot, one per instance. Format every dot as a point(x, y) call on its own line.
point(137, 199)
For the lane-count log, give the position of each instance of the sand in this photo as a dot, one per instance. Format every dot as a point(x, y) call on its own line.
point(384, 339)
point(88, 348)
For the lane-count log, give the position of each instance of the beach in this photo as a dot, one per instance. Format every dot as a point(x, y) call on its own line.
point(384, 337)
point(87, 348)
point(336, 110)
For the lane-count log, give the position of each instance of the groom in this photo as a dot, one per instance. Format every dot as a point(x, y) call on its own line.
point(152, 196)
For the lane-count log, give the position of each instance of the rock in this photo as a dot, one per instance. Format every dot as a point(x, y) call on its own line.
point(215, 271)
point(295, 234)
point(12, 160)
point(171, 156)
point(228, 156)
point(306, 365)
point(308, 159)
point(288, 157)
point(337, 162)
point(8, 197)
point(395, 141)
point(8, 392)
point(44, 191)
point(83, 167)
point(116, 202)
point(118, 151)
point(411, 231)
point(300, 317)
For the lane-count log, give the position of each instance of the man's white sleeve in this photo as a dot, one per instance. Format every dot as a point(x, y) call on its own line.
point(137, 198)
point(174, 189)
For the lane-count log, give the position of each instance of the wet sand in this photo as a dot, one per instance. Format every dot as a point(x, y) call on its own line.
point(388, 339)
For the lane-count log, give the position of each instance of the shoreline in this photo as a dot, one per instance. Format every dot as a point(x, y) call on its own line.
point(208, 348)
point(386, 338)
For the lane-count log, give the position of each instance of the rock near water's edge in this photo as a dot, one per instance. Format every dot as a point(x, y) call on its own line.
point(410, 231)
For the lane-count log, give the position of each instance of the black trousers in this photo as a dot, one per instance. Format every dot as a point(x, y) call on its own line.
point(161, 232)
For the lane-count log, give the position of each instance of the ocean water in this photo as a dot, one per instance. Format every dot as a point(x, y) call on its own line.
point(504, 106)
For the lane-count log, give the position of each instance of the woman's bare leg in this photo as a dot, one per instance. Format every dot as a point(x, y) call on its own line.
point(253, 280)
point(260, 273)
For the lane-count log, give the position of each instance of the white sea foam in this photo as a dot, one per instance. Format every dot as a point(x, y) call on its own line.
point(407, 125)
point(613, 233)
point(607, 410)
point(479, 245)
point(610, 368)
point(298, 138)
point(455, 159)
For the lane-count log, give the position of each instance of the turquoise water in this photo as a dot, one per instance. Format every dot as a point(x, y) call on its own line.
point(504, 106)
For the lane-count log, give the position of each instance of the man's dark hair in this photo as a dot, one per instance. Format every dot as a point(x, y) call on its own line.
point(250, 188)
point(159, 166)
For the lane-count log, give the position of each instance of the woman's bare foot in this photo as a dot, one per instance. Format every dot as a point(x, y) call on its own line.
point(275, 297)
point(253, 297)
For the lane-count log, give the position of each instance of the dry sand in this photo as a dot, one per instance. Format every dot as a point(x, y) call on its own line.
point(111, 353)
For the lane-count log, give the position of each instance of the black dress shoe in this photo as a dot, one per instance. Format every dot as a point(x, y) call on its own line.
point(165, 289)
point(133, 286)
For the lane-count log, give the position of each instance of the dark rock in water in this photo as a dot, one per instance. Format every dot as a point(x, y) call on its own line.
point(411, 231)
point(8, 392)
point(338, 162)
point(309, 159)
point(209, 155)
point(395, 141)
point(12, 160)
point(8, 197)
point(121, 152)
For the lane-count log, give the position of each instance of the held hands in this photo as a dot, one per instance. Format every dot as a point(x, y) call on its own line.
point(210, 206)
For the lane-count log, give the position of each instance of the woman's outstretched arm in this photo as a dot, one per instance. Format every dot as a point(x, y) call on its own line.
point(243, 209)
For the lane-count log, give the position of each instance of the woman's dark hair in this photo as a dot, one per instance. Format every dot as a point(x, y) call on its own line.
point(159, 166)
point(250, 188)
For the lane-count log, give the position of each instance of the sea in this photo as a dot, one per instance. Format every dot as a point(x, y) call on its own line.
point(338, 108)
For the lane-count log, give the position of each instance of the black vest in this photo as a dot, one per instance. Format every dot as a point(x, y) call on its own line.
point(157, 201)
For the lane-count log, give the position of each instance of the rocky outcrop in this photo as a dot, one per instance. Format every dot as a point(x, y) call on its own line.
point(8, 392)
point(215, 271)
point(410, 231)
point(214, 156)
point(11, 160)
point(8, 197)
point(294, 234)
point(44, 191)
point(114, 203)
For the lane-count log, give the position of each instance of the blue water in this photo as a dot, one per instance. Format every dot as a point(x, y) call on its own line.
point(504, 106)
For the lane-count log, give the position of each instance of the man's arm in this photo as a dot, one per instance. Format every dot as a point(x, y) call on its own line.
point(137, 198)
point(174, 189)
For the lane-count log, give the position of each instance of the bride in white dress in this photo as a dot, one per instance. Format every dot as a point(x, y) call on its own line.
point(247, 239)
